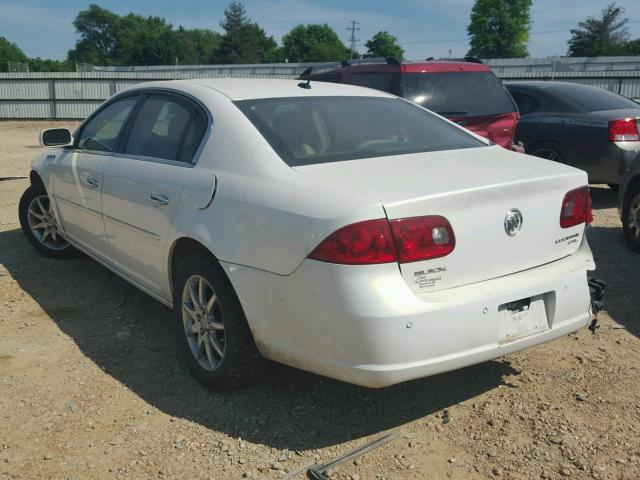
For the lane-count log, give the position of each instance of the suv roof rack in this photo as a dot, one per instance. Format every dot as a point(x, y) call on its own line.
point(465, 59)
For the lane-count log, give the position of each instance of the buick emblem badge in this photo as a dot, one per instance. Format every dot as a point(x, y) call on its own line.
point(513, 222)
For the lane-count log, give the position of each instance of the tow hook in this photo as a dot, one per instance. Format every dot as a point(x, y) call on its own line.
point(596, 288)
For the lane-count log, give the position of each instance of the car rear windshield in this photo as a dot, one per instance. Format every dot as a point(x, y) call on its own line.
point(458, 94)
point(592, 99)
point(311, 130)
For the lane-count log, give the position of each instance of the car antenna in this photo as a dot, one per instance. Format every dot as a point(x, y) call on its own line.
point(307, 85)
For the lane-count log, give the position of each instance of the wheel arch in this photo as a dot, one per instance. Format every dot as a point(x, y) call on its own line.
point(632, 185)
point(35, 178)
point(181, 247)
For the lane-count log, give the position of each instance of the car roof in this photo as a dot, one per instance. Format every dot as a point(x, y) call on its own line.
point(548, 85)
point(255, 88)
point(433, 66)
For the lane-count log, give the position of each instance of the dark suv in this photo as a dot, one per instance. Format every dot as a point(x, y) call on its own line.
point(465, 92)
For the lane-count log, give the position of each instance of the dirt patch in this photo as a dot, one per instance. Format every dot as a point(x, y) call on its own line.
point(95, 388)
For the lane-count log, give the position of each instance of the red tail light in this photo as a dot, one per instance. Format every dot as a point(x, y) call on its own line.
point(363, 243)
point(422, 238)
point(576, 208)
point(381, 241)
point(625, 130)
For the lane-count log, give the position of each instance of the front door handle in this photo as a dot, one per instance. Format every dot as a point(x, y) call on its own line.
point(92, 182)
point(159, 199)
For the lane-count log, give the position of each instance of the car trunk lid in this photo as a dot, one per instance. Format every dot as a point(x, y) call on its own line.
point(474, 189)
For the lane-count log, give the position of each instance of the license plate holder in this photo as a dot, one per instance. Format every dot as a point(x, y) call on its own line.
point(521, 318)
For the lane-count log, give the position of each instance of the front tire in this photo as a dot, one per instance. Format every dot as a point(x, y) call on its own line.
point(631, 219)
point(215, 339)
point(40, 225)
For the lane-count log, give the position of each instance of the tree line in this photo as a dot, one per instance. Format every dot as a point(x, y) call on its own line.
point(106, 38)
point(497, 29)
point(501, 29)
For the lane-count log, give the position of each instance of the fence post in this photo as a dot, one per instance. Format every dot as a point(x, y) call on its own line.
point(619, 85)
point(53, 98)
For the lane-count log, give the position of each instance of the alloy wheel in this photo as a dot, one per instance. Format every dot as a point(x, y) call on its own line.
point(548, 153)
point(203, 323)
point(633, 217)
point(44, 225)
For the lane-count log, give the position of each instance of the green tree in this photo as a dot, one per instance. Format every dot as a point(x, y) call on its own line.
point(313, 43)
point(45, 65)
point(10, 52)
point(244, 41)
point(196, 46)
point(145, 41)
point(499, 28)
point(607, 35)
point(98, 30)
point(383, 44)
point(632, 47)
point(110, 39)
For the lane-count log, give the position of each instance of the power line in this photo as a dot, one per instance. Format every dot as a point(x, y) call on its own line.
point(353, 39)
point(467, 39)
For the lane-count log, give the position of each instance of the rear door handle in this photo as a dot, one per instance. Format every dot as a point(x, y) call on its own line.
point(92, 182)
point(159, 199)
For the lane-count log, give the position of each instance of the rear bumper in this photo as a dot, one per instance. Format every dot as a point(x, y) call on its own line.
point(365, 326)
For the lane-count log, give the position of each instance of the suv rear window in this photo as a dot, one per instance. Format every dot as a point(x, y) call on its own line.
point(458, 94)
point(311, 130)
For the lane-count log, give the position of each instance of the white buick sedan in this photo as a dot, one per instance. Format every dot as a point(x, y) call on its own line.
point(333, 228)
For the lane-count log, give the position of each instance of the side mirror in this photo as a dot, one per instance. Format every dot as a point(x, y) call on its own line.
point(55, 137)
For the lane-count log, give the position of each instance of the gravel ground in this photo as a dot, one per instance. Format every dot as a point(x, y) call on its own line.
point(91, 385)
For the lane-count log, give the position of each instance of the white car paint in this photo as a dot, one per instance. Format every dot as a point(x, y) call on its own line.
point(372, 325)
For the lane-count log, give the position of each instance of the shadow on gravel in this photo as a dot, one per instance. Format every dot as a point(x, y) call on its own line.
point(619, 267)
point(130, 336)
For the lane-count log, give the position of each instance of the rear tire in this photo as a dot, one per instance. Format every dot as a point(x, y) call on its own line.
point(631, 218)
point(40, 226)
point(549, 151)
point(214, 336)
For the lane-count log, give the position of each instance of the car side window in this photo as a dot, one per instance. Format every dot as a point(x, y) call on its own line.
point(378, 81)
point(166, 127)
point(526, 103)
point(329, 78)
point(102, 132)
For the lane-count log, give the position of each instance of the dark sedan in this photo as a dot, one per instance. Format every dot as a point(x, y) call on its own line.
point(586, 127)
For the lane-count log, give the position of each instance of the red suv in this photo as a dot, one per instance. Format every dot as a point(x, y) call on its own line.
point(465, 92)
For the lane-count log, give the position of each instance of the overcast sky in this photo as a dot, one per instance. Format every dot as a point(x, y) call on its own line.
point(424, 28)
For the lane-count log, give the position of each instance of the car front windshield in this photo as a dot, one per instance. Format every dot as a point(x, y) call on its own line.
point(311, 130)
point(458, 94)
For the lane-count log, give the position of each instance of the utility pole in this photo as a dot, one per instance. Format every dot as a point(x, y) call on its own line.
point(353, 38)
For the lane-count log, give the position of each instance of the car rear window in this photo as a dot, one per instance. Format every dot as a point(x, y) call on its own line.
point(311, 130)
point(592, 99)
point(458, 94)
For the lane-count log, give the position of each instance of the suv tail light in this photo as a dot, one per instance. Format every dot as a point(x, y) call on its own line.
point(576, 208)
point(422, 238)
point(380, 241)
point(625, 130)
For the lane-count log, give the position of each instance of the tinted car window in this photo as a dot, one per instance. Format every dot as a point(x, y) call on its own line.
point(101, 132)
point(166, 127)
point(526, 103)
point(312, 130)
point(458, 94)
point(592, 99)
point(379, 81)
